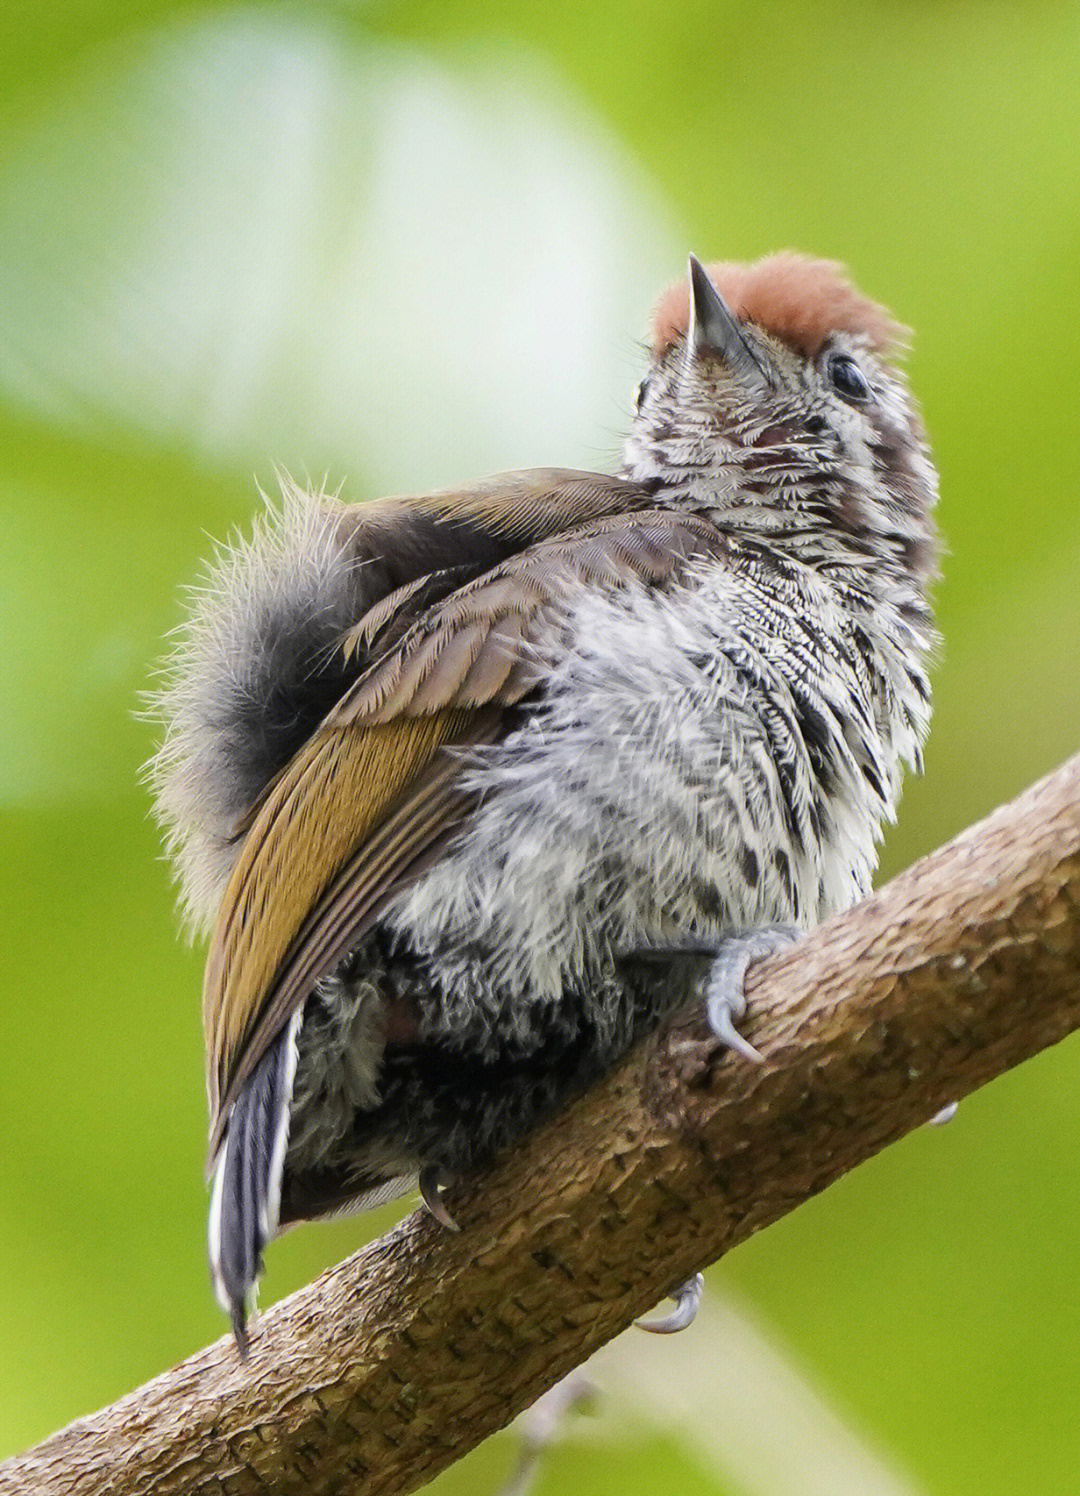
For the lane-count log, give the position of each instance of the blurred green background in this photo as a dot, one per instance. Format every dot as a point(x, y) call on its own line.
point(398, 245)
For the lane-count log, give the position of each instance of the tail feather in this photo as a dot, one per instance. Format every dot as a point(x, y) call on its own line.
point(246, 1195)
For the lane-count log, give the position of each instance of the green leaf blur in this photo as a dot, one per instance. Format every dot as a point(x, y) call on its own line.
point(389, 246)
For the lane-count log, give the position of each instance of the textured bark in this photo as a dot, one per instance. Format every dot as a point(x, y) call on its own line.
point(403, 1357)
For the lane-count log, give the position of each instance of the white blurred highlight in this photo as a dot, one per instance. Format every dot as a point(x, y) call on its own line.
point(292, 245)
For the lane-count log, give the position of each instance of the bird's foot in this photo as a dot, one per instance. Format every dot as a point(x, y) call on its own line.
point(431, 1182)
point(725, 1006)
point(725, 985)
point(725, 989)
point(687, 1297)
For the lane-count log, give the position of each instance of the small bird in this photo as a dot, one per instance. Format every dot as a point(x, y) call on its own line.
point(477, 787)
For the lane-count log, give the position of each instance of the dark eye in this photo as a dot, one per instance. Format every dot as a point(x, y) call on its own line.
point(639, 393)
point(848, 380)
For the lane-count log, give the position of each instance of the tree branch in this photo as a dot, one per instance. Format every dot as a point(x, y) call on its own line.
point(396, 1362)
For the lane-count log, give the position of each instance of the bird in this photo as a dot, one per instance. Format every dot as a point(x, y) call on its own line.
point(470, 790)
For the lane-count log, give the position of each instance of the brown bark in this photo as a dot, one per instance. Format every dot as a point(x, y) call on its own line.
point(400, 1359)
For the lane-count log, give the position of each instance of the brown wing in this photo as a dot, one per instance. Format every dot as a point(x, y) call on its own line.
point(373, 794)
point(406, 554)
point(411, 540)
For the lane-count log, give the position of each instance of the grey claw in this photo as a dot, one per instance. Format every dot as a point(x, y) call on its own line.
point(727, 1033)
point(430, 1183)
point(687, 1298)
point(946, 1114)
point(725, 996)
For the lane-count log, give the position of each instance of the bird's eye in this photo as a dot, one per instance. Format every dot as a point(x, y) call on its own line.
point(848, 380)
point(639, 394)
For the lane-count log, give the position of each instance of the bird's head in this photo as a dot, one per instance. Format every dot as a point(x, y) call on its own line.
point(774, 400)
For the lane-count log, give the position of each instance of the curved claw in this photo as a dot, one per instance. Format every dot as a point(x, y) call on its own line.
point(722, 1026)
point(430, 1182)
point(946, 1114)
point(687, 1298)
point(725, 992)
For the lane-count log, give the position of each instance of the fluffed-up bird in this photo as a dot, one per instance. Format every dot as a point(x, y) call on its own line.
point(475, 788)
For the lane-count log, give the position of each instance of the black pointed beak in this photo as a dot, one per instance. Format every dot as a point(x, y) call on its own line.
point(714, 326)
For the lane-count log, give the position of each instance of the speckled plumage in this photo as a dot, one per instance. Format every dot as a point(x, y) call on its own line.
point(694, 744)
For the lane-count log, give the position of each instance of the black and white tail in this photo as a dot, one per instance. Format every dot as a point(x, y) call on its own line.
point(246, 1197)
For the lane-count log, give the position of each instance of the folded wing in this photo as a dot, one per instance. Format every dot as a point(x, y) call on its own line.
point(374, 794)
